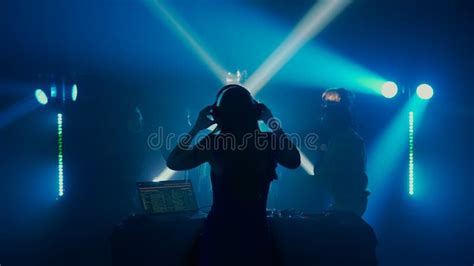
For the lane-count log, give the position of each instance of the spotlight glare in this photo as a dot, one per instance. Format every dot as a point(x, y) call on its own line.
point(306, 164)
point(389, 89)
point(74, 92)
point(54, 91)
point(165, 175)
point(41, 96)
point(424, 91)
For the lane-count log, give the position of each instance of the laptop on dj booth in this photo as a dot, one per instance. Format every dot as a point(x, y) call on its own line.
point(173, 198)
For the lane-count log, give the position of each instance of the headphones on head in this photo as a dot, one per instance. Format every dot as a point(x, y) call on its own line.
point(215, 113)
point(337, 97)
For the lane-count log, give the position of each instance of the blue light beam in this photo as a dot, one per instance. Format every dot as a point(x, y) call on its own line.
point(187, 37)
point(386, 154)
point(17, 110)
point(319, 66)
point(165, 175)
point(315, 20)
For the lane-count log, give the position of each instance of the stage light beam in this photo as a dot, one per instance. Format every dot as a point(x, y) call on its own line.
point(306, 164)
point(18, 110)
point(315, 20)
point(165, 175)
point(319, 66)
point(392, 146)
point(183, 33)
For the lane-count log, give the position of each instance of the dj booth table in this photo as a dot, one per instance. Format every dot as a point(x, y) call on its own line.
point(324, 239)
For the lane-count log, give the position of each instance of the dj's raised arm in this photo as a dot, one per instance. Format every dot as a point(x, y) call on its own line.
point(286, 153)
point(186, 156)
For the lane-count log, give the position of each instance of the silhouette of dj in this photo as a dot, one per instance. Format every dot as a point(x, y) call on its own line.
point(243, 161)
point(341, 158)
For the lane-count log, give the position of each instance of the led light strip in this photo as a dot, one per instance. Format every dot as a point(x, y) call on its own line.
point(60, 156)
point(410, 154)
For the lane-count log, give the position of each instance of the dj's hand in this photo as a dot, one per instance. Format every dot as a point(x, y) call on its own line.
point(203, 120)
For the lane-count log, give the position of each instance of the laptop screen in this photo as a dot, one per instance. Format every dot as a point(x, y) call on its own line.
point(167, 197)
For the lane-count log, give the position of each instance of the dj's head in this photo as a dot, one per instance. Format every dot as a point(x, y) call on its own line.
point(235, 108)
point(337, 96)
point(336, 113)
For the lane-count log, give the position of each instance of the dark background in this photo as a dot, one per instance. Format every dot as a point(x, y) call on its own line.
point(123, 56)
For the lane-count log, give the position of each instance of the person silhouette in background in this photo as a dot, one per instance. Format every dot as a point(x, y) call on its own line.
point(341, 159)
point(235, 231)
